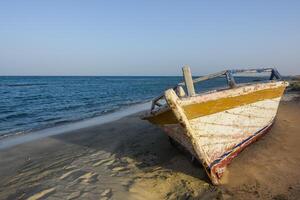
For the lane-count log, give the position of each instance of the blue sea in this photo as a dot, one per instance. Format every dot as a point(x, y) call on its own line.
point(33, 103)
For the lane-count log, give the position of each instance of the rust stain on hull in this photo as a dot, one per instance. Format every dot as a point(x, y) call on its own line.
point(219, 167)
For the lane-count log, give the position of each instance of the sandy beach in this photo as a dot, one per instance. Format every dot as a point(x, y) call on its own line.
point(132, 159)
point(149, 100)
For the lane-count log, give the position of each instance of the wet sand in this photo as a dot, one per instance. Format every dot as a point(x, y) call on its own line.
point(132, 159)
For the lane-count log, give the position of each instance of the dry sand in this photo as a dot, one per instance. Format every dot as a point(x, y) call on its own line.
point(132, 159)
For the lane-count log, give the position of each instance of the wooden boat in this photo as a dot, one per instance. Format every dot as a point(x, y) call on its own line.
point(216, 125)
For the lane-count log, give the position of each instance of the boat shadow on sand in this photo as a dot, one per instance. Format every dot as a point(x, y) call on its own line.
point(136, 152)
point(128, 158)
point(139, 157)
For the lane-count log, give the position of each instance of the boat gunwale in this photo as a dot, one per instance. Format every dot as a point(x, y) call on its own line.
point(187, 100)
point(227, 73)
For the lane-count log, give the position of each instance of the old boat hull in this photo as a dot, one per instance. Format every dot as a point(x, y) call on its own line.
point(216, 126)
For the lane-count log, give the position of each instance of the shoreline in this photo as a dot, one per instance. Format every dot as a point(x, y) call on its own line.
point(16, 139)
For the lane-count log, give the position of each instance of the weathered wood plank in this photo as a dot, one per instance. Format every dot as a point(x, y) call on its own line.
point(188, 80)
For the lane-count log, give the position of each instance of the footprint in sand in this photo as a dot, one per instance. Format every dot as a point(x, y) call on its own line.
point(105, 162)
point(89, 177)
point(72, 172)
point(118, 169)
point(70, 167)
point(99, 153)
point(42, 194)
point(109, 163)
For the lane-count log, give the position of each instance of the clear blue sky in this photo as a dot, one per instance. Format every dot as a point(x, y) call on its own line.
point(147, 37)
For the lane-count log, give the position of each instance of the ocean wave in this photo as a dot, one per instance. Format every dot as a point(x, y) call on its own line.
point(26, 104)
point(58, 121)
point(23, 84)
point(15, 115)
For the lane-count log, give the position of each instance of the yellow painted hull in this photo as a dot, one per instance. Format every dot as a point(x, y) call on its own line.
point(203, 108)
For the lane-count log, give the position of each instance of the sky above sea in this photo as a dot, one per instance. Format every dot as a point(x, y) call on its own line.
point(147, 37)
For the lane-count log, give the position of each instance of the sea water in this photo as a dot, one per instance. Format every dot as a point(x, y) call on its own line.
point(34, 103)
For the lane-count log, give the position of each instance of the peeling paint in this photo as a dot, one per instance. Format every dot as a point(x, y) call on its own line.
point(217, 137)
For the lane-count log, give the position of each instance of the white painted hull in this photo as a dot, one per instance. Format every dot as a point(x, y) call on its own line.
point(219, 133)
point(217, 125)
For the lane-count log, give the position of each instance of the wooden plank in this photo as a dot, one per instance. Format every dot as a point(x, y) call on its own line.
point(211, 76)
point(188, 80)
point(234, 71)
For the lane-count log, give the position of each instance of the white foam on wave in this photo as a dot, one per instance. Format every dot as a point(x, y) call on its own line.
point(19, 139)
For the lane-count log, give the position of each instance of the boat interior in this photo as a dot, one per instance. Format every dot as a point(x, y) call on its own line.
point(227, 79)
